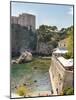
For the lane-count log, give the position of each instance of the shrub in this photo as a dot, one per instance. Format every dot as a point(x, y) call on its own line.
point(67, 55)
point(68, 91)
point(22, 90)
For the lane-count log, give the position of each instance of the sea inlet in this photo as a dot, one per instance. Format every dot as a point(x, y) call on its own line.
point(34, 76)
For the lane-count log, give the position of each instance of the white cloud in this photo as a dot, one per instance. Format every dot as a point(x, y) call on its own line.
point(70, 11)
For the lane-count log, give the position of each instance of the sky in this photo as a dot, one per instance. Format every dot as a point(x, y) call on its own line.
point(47, 14)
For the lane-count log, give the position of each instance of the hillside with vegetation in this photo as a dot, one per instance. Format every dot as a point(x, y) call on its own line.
point(42, 41)
point(49, 36)
point(70, 42)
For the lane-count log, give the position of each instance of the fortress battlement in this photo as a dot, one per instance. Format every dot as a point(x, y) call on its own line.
point(24, 19)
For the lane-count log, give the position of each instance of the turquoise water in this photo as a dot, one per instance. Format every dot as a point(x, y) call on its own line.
point(35, 75)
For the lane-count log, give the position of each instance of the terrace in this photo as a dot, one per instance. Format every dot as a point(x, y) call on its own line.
point(66, 63)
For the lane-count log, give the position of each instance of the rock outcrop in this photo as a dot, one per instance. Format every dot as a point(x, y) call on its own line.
point(13, 62)
point(24, 57)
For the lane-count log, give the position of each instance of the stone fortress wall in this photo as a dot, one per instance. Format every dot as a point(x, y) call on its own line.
point(20, 41)
point(61, 76)
point(24, 19)
point(62, 44)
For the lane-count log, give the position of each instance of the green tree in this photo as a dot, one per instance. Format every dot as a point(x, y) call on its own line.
point(22, 90)
point(70, 42)
point(68, 91)
point(54, 28)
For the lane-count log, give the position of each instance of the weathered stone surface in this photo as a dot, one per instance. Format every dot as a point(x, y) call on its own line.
point(44, 48)
point(60, 77)
point(13, 62)
point(24, 57)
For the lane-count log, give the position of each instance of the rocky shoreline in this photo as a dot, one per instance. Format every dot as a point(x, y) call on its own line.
point(24, 57)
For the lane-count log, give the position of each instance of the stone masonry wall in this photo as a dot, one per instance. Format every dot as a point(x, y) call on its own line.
point(60, 77)
point(24, 19)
